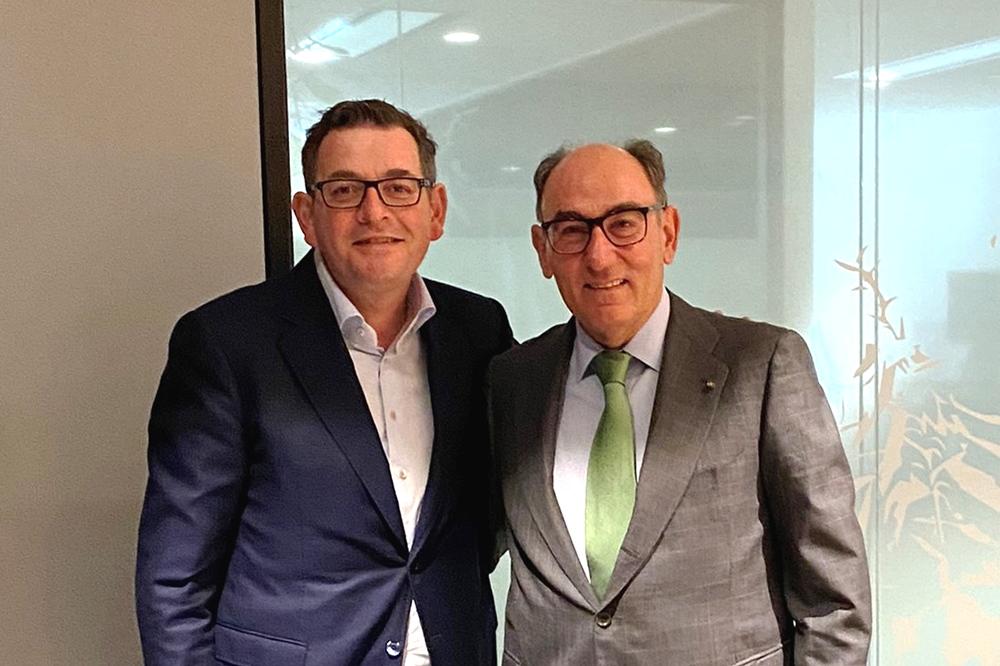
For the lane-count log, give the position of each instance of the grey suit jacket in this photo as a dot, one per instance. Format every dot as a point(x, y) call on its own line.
point(743, 547)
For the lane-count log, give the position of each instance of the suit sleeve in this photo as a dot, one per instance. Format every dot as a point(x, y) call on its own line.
point(197, 467)
point(506, 334)
point(496, 544)
point(810, 493)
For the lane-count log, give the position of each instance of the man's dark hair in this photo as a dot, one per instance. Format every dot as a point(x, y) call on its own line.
point(642, 150)
point(361, 113)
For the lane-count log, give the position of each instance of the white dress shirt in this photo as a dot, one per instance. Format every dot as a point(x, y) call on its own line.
point(394, 382)
point(582, 408)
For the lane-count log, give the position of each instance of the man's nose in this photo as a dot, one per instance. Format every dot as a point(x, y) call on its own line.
point(371, 207)
point(599, 251)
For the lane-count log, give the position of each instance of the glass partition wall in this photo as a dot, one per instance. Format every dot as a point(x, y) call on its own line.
point(836, 166)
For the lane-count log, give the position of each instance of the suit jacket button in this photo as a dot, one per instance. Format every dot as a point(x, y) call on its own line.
point(603, 619)
point(393, 648)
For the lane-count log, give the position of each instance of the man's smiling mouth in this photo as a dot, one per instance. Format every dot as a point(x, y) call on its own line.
point(607, 285)
point(378, 240)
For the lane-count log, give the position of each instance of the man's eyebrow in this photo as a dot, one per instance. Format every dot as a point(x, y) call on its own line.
point(354, 175)
point(342, 173)
point(399, 172)
point(627, 205)
point(571, 214)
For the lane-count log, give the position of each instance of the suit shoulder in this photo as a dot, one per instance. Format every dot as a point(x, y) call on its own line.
point(466, 308)
point(480, 321)
point(451, 296)
point(236, 317)
point(729, 325)
point(236, 305)
point(530, 352)
point(747, 341)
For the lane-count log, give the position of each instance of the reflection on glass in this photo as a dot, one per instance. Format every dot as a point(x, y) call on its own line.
point(836, 170)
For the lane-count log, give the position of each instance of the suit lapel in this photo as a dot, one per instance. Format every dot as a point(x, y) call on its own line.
point(315, 352)
point(542, 402)
point(682, 414)
point(447, 368)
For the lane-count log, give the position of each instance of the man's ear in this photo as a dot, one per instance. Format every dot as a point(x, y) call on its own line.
point(439, 207)
point(671, 229)
point(542, 248)
point(302, 206)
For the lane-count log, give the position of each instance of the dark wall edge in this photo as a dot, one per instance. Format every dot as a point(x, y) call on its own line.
point(272, 95)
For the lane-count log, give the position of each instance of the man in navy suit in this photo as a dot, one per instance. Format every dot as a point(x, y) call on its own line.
point(317, 447)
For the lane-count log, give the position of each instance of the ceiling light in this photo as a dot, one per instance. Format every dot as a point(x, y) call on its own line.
point(339, 38)
point(883, 78)
point(928, 63)
point(315, 54)
point(461, 37)
point(313, 48)
point(510, 169)
point(665, 130)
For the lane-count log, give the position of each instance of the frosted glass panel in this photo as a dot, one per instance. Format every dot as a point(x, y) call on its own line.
point(907, 142)
point(837, 170)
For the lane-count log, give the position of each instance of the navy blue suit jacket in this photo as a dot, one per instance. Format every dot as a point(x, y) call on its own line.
point(270, 533)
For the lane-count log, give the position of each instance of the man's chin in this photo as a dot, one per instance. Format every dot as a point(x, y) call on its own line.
point(610, 329)
point(385, 271)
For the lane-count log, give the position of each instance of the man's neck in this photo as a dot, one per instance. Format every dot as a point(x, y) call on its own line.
point(385, 310)
point(385, 307)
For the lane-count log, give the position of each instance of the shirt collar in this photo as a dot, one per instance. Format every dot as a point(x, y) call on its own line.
point(646, 345)
point(358, 333)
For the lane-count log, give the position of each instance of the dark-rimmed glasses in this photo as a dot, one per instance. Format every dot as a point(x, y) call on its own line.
point(349, 192)
point(571, 235)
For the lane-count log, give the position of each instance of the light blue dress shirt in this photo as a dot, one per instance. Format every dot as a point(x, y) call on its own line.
point(582, 408)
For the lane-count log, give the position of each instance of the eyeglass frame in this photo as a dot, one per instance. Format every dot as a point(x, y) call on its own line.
point(592, 222)
point(422, 183)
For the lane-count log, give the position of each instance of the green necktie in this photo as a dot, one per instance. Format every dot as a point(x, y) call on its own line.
point(611, 472)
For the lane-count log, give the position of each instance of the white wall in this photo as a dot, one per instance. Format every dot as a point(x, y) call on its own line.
point(129, 193)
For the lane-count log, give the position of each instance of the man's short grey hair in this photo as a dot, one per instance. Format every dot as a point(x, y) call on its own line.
point(648, 156)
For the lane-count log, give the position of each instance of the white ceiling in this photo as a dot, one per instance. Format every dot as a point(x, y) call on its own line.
point(544, 73)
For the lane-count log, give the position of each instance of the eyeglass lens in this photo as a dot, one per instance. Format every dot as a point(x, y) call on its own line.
point(392, 191)
point(624, 228)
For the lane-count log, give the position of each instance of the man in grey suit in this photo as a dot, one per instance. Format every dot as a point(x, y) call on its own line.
point(673, 482)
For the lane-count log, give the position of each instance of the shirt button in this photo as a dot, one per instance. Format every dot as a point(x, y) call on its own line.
point(402, 473)
point(603, 619)
point(392, 415)
point(393, 648)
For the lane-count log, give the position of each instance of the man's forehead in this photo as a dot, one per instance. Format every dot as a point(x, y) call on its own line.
point(596, 176)
point(369, 151)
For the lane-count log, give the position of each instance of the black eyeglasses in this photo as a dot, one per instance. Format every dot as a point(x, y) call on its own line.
point(349, 192)
point(571, 235)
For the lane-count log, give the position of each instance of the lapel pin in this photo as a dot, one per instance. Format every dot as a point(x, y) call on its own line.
point(709, 385)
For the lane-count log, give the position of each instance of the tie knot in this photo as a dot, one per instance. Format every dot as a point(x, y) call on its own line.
point(610, 366)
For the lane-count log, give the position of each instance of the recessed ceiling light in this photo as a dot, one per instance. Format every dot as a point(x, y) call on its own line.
point(461, 37)
point(665, 130)
point(510, 169)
